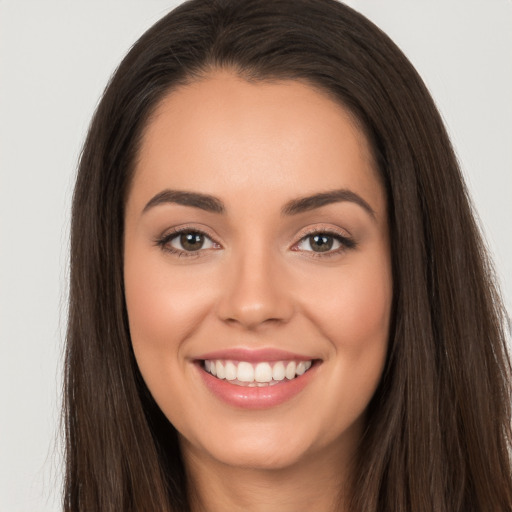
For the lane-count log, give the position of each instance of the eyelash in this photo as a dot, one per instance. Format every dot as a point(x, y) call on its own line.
point(346, 243)
point(164, 241)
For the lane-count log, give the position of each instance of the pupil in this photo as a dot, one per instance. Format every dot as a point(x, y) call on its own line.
point(192, 241)
point(321, 243)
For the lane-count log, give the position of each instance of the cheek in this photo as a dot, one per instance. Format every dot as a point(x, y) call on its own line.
point(164, 307)
point(355, 317)
point(354, 312)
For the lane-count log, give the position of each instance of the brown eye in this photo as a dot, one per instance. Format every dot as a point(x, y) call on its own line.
point(191, 241)
point(321, 243)
point(325, 242)
point(188, 241)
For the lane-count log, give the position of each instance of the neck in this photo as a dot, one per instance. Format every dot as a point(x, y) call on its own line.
point(318, 483)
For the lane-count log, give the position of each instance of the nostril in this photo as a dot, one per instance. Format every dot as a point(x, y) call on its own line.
point(250, 300)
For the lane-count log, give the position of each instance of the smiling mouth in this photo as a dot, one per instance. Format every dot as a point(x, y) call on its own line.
point(261, 374)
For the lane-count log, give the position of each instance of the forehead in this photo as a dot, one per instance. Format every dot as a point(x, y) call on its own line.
point(223, 135)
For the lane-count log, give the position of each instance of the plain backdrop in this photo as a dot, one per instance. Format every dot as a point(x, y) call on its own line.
point(55, 60)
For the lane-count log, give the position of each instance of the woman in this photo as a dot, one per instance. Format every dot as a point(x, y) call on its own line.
point(279, 297)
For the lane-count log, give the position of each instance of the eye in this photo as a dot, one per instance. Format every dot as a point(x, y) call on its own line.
point(325, 242)
point(186, 242)
point(191, 241)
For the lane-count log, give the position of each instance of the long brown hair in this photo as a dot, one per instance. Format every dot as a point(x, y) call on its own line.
point(439, 426)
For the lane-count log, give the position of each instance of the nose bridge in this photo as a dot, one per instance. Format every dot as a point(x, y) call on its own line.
point(254, 291)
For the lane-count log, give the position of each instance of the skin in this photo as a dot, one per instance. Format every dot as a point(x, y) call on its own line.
point(259, 284)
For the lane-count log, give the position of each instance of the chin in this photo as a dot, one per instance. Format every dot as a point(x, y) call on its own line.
point(256, 447)
point(262, 458)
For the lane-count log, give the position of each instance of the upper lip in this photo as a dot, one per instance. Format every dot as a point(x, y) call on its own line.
point(254, 355)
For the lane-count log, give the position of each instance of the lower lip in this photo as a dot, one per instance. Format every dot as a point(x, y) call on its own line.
point(246, 397)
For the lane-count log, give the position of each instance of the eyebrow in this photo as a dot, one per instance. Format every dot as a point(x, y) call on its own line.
point(308, 203)
point(295, 206)
point(195, 199)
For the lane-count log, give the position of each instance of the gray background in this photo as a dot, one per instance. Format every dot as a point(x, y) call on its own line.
point(55, 59)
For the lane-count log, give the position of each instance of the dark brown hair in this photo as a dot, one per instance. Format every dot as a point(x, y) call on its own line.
point(439, 428)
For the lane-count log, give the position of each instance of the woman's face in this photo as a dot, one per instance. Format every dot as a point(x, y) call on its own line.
point(256, 247)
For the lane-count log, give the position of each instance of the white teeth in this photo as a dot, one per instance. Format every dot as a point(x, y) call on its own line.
point(262, 374)
point(245, 372)
point(278, 371)
point(230, 371)
point(290, 370)
point(221, 374)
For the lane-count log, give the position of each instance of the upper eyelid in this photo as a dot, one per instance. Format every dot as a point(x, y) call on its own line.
point(172, 233)
point(326, 230)
point(336, 232)
point(307, 231)
point(345, 241)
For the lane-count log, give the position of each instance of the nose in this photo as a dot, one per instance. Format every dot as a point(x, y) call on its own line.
point(254, 291)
